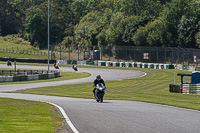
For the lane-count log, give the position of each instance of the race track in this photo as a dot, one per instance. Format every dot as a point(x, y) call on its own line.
point(112, 116)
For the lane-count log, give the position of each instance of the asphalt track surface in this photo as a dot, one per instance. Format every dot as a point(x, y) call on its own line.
point(112, 116)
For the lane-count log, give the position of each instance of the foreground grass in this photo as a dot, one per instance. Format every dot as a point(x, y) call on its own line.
point(153, 88)
point(28, 117)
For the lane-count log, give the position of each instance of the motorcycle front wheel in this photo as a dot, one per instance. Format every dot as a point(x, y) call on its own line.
point(101, 97)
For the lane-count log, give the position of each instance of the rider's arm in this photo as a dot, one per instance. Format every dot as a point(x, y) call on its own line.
point(103, 82)
point(94, 83)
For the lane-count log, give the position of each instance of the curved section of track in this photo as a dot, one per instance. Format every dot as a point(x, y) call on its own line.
point(107, 74)
point(116, 116)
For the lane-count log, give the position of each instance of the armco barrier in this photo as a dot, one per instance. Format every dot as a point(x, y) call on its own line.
point(120, 64)
point(2, 79)
point(89, 62)
point(81, 62)
point(145, 65)
point(43, 76)
point(56, 74)
point(38, 75)
point(33, 77)
point(152, 66)
point(50, 75)
point(135, 64)
point(108, 63)
point(101, 63)
point(157, 66)
point(128, 64)
point(9, 78)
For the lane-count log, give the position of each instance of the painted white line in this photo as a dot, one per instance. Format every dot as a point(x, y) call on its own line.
point(66, 118)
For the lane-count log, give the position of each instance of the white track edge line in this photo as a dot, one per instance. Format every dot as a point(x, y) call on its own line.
point(65, 117)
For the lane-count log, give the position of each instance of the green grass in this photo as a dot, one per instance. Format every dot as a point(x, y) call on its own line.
point(15, 55)
point(25, 116)
point(15, 46)
point(28, 117)
point(153, 88)
point(18, 45)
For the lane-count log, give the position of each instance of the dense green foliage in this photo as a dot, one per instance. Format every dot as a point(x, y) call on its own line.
point(173, 23)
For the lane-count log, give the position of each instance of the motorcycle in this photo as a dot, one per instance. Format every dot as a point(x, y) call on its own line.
point(56, 66)
point(75, 68)
point(9, 63)
point(99, 92)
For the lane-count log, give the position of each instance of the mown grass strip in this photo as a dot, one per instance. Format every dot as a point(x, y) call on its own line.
point(23, 116)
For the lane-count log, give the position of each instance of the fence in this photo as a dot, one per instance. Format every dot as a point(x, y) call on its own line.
point(138, 54)
point(29, 52)
point(166, 55)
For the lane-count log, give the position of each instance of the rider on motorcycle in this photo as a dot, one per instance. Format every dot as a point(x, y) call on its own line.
point(96, 81)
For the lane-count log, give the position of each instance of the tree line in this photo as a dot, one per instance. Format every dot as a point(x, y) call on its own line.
point(85, 23)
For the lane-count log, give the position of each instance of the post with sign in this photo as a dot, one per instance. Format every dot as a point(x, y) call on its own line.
point(146, 56)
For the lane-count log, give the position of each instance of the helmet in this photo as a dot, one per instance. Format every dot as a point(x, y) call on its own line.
point(98, 77)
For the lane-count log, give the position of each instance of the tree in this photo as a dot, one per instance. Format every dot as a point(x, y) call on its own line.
point(37, 31)
point(9, 22)
point(187, 29)
point(197, 38)
point(133, 24)
point(148, 35)
point(171, 17)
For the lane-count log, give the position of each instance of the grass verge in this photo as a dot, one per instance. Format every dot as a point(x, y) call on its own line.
point(28, 117)
point(153, 88)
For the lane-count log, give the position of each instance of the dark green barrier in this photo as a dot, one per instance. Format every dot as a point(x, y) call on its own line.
point(157, 66)
point(20, 78)
point(90, 63)
point(170, 66)
point(135, 64)
point(117, 64)
point(43, 76)
point(23, 78)
point(71, 61)
point(56, 74)
point(162, 67)
point(152, 66)
point(146, 65)
point(16, 78)
point(123, 64)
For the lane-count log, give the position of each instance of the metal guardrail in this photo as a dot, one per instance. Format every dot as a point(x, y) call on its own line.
point(22, 72)
point(34, 76)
